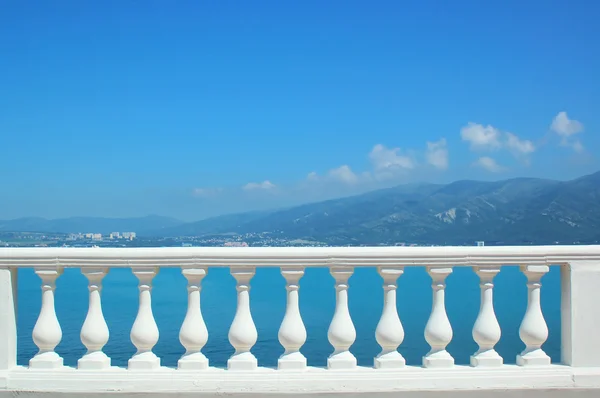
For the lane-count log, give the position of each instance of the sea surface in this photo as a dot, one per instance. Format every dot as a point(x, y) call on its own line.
point(267, 297)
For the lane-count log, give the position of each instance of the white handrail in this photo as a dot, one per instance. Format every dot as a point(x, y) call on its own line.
point(293, 256)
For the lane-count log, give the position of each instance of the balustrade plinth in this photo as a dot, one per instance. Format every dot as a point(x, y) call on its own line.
point(243, 361)
point(94, 361)
point(144, 361)
point(194, 361)
point(390, 360)
point(341, 361)
point(46, 360)
point(487, 359)
point(292, 361)
point(535, 357)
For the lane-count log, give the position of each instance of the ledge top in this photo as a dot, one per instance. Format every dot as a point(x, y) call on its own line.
point(298, 256)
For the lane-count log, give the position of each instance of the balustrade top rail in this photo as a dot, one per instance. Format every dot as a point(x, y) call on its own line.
point(297, 256)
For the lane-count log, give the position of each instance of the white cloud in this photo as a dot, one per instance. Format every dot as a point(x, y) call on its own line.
point(254, 186)
point(519, 146)
point(488, 164)
point(388, 162)
point(481, 137)
point(437, 154)
point(344, 174)
point(566, 128)
point(206, 192)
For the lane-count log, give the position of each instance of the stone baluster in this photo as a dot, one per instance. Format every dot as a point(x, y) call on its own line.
point(47, 332)
point(438, 331)
point(193, 334)
point(486, 331)
point(292, 333)
point(389, 333)
point(533, 330)
point(242, 334)
point(144, 333)
point(341, 333)
point(94, 333)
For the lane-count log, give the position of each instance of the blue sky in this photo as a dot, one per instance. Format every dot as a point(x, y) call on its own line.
point(192, 109)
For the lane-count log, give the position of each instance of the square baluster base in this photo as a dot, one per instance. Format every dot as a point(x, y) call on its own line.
point(488, 359)
point(534, 358)
point(243, 361)
point(391, 360)
point(293, 361)
point(94, 361)
point(196, 361)
point(144, 361)
point(46, 360)
point(440, 359)
point(342, 360)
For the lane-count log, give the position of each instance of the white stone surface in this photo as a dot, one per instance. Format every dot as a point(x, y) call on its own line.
point(94, 332)
point(144, 333)
point(193, 334)
point(341, 333)
point(438, 331)
point(243, 333)
point(8, 325)
point(534, 330)
point(389, 332)
point(580, 314)
point(47, 332)
point(580, 278)
point(292, 333)
point(486, 331)
point(312, 380)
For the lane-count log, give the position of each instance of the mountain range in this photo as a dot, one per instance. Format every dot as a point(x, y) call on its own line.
point(140, 225)
point(521, 210)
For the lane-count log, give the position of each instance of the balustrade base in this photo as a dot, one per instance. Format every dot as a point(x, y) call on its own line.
point(94, 361)
point(293, 361)
point(488, 359)
point(441, 359)
point(46, 360)
point(263, 381)
point(196, 361)
point(391, 360)
point(533, 358)
point(244, 361)
point(343, 361)
point(144, 361)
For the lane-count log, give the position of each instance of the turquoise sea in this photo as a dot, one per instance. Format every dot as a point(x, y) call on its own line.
point(317, 302)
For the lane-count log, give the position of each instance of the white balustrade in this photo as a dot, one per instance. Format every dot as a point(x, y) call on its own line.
point(533, 330)
point(341, 333)
point(144, 333)
point(47, 332)
point(243, 333)
point(94, 333)
point(579, 368)
point(486, 331)
point(292, 333)
point(389, 332)
point(193, 334)
point(438, 331)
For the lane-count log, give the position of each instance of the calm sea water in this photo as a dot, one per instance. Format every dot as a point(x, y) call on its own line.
point(317, 302)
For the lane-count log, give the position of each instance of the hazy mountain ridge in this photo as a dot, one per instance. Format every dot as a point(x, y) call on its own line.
point(511, 211)
point(140, 225)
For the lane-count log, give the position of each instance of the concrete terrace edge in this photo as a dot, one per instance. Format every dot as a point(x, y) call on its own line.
point(311, 381)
